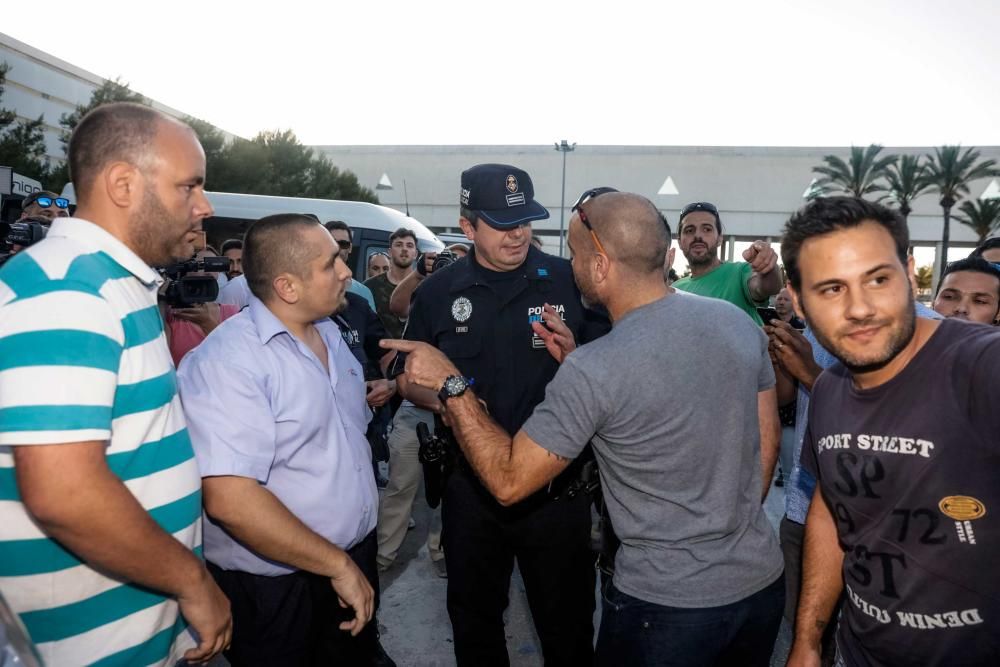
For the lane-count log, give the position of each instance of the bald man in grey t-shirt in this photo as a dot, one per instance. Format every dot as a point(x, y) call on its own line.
point(679, 403)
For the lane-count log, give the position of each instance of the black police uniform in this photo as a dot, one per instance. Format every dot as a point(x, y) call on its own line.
point(481, 320)
point(361, 329)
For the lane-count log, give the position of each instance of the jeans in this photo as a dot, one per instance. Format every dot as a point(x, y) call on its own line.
point(639, 633)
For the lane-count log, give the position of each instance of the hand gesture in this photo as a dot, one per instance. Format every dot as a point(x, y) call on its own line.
point(559, 340)
point(206, 315)
point(789, 348)
point(206, 609)
point(761, 257)
point(379, 392)
point(354, 591)
point(426, 366)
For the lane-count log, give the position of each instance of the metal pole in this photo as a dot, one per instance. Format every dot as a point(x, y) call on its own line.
point(406, 199)
point(562, 205)
point(565, 147)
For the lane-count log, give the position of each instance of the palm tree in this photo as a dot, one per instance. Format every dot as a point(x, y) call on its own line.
point(983, 215)
point(949, 172)
point(858, 176)
point(906, 182)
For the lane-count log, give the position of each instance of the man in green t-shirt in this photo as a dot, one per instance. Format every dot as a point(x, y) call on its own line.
point(746, 285)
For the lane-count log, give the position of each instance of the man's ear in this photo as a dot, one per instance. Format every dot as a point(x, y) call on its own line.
point(123, 184)
point(671, 254)
point(467, 229)
point(286, 286)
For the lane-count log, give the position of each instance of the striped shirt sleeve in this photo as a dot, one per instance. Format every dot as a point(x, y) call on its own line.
point(60, 351)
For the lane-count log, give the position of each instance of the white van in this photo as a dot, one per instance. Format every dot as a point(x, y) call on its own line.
point(371, 224)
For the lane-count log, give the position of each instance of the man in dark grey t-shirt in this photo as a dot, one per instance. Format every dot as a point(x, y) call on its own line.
point(676, 423)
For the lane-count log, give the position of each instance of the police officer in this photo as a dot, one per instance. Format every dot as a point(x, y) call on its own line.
point(479, 312)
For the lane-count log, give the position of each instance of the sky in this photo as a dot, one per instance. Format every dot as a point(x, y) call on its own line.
point(769, 72)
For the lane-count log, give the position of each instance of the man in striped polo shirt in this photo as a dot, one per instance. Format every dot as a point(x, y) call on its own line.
point(100, 496)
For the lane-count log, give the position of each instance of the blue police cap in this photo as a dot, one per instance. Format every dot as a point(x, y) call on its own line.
point(501, 195)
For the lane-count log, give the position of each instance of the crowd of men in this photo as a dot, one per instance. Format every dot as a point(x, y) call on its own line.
point(183, 481)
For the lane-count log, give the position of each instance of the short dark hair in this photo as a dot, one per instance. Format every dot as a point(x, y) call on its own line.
point(988, 244)
point(402, 232)
point(977, 264)
point(704, 206)
point(340, 224)
point(469, 215)
point(231, 244)
point(824, 215)
point(272, 246)
point(118, 132)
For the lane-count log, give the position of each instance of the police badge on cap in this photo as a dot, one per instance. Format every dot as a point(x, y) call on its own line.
point(502, 195)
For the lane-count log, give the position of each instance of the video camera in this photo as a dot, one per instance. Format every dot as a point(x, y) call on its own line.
point(185, 291)
point(24, 233)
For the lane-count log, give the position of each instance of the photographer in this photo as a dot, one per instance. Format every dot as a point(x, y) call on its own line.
point(44, 204)
point(189, 324)
point(399, 302)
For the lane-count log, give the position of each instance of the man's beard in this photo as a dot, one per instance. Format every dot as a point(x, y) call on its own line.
point(900, 337)
point(153, 231)
point(710, 255)
point(399, 263)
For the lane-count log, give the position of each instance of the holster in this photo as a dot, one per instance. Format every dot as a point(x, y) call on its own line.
point(437, 457)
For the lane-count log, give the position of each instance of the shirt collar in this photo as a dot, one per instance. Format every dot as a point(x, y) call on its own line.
point(268, 325)
point(101, 240)
point(535, 267)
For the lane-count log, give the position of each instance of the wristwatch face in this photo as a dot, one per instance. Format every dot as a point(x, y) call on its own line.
point(455, 386)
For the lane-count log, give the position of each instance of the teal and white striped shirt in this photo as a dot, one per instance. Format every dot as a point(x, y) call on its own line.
point(83, 357)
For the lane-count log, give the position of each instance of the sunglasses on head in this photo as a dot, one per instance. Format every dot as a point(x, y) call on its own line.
point(45, 202)
point(344, 245)
point(578, 209)
point(700, 206)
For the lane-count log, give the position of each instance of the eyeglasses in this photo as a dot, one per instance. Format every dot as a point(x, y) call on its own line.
point(344, 244)
point(45, 202)
point(578, 209)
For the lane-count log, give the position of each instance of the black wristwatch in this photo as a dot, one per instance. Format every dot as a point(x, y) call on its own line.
point(454, 385)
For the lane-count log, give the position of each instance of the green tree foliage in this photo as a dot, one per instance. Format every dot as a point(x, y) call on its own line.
point(982, 215)
point(276, 163)
point(925, 278)
point(272, 163)
point(949, 172)
point(905, 177)
point(859, 176)
point(22, 143)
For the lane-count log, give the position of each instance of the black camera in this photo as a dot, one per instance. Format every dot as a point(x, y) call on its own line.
point(185, 291)
point(443, 259)
point(24, 233)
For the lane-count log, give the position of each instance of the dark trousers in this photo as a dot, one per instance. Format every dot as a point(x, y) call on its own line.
point(550, 540)
point(639, 633)
point(295, 619)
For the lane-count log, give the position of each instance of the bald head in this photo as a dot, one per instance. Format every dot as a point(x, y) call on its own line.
point(632, 231)
point(119, 132)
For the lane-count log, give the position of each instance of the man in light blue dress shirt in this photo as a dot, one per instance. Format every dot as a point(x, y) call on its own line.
point(277, 412)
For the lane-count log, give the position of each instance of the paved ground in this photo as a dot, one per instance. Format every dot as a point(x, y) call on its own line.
point(414, 620)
